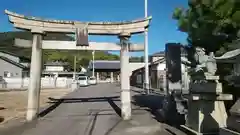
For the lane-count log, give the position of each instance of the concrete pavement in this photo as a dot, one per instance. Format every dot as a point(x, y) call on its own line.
point(91, 110)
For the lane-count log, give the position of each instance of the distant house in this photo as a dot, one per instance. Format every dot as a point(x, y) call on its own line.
point(59, 69)
point(13, 66)
point(157, 71)
point(157, 56)
point(56, 66)
point(104, 68)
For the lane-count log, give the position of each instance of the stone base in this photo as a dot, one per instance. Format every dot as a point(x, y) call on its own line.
point(206, 116)
point(206, 87)
point(142, 124)
point(126, 104)
point(209, 97)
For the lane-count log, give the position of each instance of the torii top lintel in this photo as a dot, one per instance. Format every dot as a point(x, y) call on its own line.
point(94, 28)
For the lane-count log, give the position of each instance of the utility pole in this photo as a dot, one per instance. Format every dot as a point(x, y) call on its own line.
point(146, 50)
point(74, 67)
point(93, 68)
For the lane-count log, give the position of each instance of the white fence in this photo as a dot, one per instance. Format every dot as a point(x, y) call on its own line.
point(22, 83)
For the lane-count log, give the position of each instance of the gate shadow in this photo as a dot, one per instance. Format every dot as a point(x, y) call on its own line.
point(2, 118)
point(56, 102)
point(154, 104)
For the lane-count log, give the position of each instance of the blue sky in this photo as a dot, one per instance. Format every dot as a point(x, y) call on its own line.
point(163, 28)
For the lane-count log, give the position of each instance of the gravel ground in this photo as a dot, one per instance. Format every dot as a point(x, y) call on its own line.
point(13, 104)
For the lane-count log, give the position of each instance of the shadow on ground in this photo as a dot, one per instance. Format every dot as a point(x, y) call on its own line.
point(56, 102)
point(155, 105)
point(1, 118)
point(111, 100)
point(20, 127)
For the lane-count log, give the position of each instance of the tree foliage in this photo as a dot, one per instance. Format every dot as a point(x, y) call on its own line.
point(136, 59)
point(212, 24)
point(82, 57)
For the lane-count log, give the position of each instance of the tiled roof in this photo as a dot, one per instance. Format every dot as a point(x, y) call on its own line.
point(13, 62)
point(161, 53)
point(159, 61)
point(14, 54)
point(104, 64)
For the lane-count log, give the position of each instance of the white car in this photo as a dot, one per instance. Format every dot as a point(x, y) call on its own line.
point(92, 81)
point(83, 81)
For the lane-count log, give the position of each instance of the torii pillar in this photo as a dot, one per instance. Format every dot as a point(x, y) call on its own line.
point(125, 82)
point(35, 76)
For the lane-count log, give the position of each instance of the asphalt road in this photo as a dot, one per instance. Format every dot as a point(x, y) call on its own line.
point(92, 110)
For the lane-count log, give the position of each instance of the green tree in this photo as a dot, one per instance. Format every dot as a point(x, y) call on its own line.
point(212, 24)
point(136, 59)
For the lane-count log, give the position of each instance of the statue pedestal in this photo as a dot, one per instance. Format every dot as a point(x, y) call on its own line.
point(206, 116)
point(206, 109)
point(209, 87)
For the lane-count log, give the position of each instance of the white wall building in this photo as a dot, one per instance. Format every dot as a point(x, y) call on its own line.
point(55, 66)
point(157, 72)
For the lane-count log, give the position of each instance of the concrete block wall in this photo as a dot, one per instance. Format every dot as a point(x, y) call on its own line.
point(15, 83)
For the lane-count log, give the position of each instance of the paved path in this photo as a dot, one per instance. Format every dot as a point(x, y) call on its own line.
point(92, 110)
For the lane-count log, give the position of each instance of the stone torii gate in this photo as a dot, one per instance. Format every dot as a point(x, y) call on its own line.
point(39, 27)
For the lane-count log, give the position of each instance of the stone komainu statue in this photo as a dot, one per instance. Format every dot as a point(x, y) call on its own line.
point(200, 64)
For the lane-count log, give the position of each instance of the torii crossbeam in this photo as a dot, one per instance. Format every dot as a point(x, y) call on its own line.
point(94, 28)
point(71, 45)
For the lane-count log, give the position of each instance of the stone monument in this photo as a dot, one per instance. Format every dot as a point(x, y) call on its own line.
point(173, 64)
point(173, 109)
point(206, 111)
